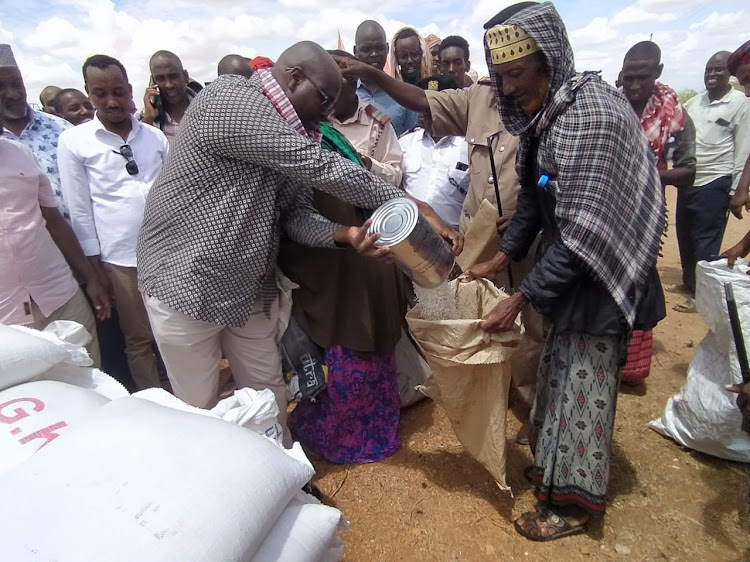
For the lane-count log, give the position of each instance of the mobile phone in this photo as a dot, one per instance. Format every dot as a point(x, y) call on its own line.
point(153, 99)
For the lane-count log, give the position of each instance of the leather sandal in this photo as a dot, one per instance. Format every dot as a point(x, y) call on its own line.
point(531, 525)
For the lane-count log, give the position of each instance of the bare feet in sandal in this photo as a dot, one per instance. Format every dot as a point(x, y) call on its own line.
point(680, 289)
point(546, 525)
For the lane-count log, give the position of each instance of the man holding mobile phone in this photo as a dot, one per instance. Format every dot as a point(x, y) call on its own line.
point(168, 95)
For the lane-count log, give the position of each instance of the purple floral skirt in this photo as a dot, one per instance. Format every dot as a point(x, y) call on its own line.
point(355, 420)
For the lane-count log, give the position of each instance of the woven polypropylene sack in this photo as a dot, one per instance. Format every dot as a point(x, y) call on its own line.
point(35, 414)
point(147, 483)
point(703, 415)
point(471, 371)
point(304, 532)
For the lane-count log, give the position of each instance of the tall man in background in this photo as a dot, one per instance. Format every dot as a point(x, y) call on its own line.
point(168, 95)
point(371, 47)
point(663, 120)
point(46, 96)
point(721, 116)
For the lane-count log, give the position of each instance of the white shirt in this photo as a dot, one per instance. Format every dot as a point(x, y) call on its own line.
point(106, 203)
point(436, 172)
point(722, 136)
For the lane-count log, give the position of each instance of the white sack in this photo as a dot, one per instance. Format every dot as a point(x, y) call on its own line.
point(34, 414)
point(24, 355)
point(164, 398)
point(73, 333)
point(305, 532)
point(703, 415)
point(411, 370)
point(86, 377)
point(143, 482)
point(255, 410)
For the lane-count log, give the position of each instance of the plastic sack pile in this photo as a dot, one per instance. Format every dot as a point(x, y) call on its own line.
point(471, 371)
point(703, 415)
point(95, 474)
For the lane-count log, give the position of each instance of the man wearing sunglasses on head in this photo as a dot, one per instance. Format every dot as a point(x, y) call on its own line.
point(107, 167)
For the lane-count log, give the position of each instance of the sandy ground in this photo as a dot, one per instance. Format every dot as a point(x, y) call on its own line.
point(431, 501)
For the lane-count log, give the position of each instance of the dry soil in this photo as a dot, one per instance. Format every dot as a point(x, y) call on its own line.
point(431, 501)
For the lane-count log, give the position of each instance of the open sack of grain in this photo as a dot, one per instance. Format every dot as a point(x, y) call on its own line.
point(470, 368)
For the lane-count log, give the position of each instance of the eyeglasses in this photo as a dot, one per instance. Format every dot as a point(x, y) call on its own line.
point(127, 153)
point(403, 58)
point(326, 106)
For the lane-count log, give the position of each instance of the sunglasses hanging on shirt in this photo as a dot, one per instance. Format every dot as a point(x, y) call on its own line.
point(127, 152)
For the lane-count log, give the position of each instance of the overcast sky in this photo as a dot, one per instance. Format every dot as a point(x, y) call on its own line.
point(51, 38)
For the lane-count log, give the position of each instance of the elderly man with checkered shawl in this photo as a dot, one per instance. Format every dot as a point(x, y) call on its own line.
point(589, 183)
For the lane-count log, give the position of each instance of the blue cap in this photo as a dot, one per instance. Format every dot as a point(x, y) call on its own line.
point(543, 179)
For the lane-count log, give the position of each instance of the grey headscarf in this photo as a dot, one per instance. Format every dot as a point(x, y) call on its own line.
point(6, 56)
point(610, 203)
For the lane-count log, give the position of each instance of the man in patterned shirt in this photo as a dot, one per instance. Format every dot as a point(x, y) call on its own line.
point(36, 130)
point(244, 168)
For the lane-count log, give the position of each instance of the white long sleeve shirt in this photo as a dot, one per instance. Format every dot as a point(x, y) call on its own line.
point(106, 203)
point(722, 136)
point(436, 172)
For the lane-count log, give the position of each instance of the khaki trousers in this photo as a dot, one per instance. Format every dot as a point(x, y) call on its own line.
point(134, 325)
point(78, 310)
point(192, 350)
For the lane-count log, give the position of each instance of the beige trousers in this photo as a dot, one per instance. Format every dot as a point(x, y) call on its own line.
point(134, 325)
point(192, 350)
point(78, 310)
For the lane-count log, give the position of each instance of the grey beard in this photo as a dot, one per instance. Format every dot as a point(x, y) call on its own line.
point(10, 116)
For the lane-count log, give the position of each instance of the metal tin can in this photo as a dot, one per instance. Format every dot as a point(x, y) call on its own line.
point(419, 251)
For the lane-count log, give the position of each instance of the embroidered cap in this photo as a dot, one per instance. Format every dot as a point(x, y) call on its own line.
point(6, 56)
point(508, 43)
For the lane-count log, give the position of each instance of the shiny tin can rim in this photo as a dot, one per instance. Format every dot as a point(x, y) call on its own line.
point(395, 220)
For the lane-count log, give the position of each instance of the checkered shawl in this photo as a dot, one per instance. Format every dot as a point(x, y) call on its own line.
point(610, 206)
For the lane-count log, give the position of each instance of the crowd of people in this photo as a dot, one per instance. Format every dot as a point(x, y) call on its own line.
point(183, 219)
